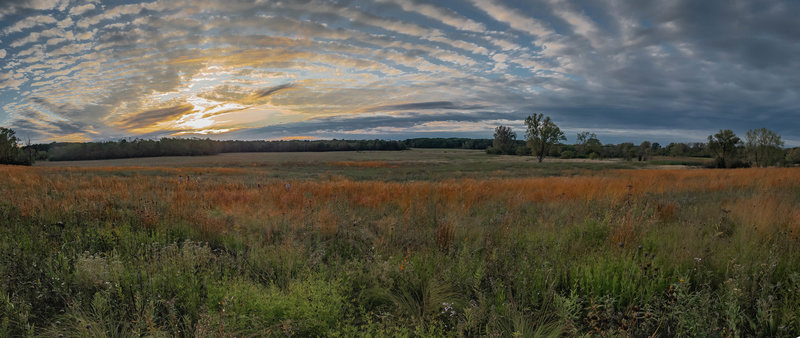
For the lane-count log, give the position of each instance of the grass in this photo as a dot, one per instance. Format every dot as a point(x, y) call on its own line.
point(365, 244)
point(415, 164)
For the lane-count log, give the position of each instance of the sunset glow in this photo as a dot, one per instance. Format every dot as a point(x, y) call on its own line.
point(666, 71)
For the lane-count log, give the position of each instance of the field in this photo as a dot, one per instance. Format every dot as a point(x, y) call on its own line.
point(412, 243)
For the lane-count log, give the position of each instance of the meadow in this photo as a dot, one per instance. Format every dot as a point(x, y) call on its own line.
point(411, 243)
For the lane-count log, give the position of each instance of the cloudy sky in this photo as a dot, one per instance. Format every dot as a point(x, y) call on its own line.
point(671, 70)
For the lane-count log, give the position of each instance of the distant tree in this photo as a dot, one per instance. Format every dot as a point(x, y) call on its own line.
point(723, 146)
point(644, 150)
point(698, 149)
point(793, 156)
point(30, 153)
point(198, 147)
point(588, 144)
point(609, 151)
point(763, 147)
point(10, 153)
point(567, 154)
point(542, 133)
point(626, 150)
point(504, 140)
point(677, 149)
point(655, 148)
point(581, 138)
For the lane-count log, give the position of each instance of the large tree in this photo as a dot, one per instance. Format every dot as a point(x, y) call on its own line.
point(763, 146)
point(10, 152)
point(542, 134)
point(505, 140)
point(723, 146)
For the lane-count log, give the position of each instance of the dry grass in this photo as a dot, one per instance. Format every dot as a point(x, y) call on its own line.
point(364, 164)
point(630, 239)
point(246, 196)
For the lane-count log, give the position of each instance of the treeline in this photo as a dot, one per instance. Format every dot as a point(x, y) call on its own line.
point(10, 152)
point(589, 146)
point(760, 148)
point(449, 143)
point(629, 150)
point(195, 147)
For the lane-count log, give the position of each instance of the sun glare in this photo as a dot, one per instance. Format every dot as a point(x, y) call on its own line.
point(202, 116)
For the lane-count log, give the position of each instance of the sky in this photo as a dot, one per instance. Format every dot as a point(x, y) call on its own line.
point(629, 71)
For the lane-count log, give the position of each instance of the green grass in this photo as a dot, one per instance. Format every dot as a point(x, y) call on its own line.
point(132, 265)
point(409, 165)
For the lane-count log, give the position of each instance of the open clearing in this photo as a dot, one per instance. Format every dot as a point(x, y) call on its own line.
point(421, 242)
point(415, 164)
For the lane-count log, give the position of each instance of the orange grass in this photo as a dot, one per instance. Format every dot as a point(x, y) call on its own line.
point(363, 164)
point(249, 198)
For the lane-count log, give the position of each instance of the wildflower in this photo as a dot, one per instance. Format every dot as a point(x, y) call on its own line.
point(682, 280)
point(448, 309)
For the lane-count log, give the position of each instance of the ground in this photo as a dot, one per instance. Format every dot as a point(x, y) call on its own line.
point(419, 242)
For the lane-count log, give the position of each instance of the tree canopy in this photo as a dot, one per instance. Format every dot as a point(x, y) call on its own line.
point(723, 145)
point(763, 147)
point(10, 152)
point(542, 133)
point(588, 144)
point(504, 140)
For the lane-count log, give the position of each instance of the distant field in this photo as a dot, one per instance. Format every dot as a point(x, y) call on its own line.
point(414, 164)
point(411, 243)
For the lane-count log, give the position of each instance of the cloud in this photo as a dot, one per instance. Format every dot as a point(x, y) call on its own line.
point(348, 124)
point(514, 18)
point(66, 23)
point(11, 80)
point(37, 125)
point(446, 16)
point(446, 105)
point(376, 66)
point(13, 6)
point(30, 22)
point(271, 90)
point(79, 10)
point(150, 117)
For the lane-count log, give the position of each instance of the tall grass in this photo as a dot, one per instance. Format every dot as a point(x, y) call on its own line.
point(234, 251)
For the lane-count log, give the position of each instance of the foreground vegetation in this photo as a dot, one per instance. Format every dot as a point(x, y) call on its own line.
point(241, 250)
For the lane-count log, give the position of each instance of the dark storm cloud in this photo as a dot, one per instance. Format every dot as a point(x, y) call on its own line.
point(150, 117)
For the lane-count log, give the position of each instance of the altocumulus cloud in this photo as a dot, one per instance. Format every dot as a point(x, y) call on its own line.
point(667, 71)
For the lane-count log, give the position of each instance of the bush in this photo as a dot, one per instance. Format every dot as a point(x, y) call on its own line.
point(523, 150)
point(793, 156)
point(493, 151)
